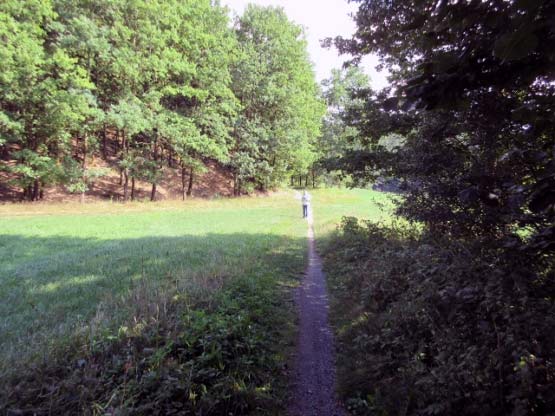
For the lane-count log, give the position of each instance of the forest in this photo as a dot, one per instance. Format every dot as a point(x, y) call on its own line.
point(439, 257)
point(144, 85)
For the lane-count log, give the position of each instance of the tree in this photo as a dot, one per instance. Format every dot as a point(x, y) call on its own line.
point(45, 96)
point(129, 118)
point(477, 83)
point(162, 75)
point(473, 92)
point(281, 110)
point(148, 84)
point(342, 92)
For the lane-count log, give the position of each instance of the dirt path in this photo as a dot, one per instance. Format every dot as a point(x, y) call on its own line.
point(314, 372)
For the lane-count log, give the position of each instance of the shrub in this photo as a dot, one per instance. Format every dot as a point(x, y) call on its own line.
point(428, 326)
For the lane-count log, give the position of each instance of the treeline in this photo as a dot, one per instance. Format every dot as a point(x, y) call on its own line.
point(148, 84)
point(455, 315)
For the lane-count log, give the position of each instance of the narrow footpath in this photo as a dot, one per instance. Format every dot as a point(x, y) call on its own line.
point(314, 373)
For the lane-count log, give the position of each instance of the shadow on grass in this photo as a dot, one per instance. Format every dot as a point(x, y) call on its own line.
point(219, 348)
point(50, 286)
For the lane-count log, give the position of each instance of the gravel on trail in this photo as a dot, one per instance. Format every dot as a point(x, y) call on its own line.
point(313, 376)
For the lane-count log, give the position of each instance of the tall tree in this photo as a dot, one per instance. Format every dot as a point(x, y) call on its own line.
point(281, 109)
point(45, 96)
point(477, 80)
point(344, 92)
point(168, 62)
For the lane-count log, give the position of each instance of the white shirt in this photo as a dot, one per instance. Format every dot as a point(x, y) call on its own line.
point(306, 199)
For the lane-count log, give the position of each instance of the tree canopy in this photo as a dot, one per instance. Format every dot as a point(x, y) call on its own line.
point(473, 94)
point(281, 109)
point(472, 97)
point(148, 84)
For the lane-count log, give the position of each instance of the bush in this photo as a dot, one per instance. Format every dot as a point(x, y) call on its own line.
point(429, 326)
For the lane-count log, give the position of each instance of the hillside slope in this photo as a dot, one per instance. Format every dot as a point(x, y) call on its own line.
point(215, 181)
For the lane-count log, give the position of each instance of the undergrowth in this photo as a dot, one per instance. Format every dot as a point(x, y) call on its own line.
point(223, 357)
point(438, 327)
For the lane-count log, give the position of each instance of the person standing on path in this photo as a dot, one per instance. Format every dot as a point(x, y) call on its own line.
point(306, 203)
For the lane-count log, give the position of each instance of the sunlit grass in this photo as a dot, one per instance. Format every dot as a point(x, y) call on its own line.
point(63, 266)
point(58, 263)
point(331, 205)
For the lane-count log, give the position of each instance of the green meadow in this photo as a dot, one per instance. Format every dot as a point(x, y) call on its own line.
point(67, 268)
point(74, 275)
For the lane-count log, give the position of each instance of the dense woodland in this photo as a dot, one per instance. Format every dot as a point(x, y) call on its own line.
point(141, 85)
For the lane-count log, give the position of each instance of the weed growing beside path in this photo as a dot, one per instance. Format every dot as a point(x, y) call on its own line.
point(423, 325)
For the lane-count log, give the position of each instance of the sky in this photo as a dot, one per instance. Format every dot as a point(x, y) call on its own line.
point(321, 19)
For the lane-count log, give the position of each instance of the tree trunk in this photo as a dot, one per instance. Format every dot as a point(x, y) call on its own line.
point(124, 171)
point(132, 188)
point(25, 194)
point(36, 190)
point(123, 141)
point(155, 158)
point(104, 141)
point(306, 181)
point(121, 156)
point(313, 179)
point(125, 185)
point(300, 181)
point(183, 182)
point(5, 152)
point(84, 167)
point(190, 187)
point(236, 186)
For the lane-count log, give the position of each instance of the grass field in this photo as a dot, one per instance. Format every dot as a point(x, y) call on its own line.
point(67, 269)
point(330, 205)
point(57, 270)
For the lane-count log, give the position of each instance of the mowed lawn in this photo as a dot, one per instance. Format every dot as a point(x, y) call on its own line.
point(68, 267)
